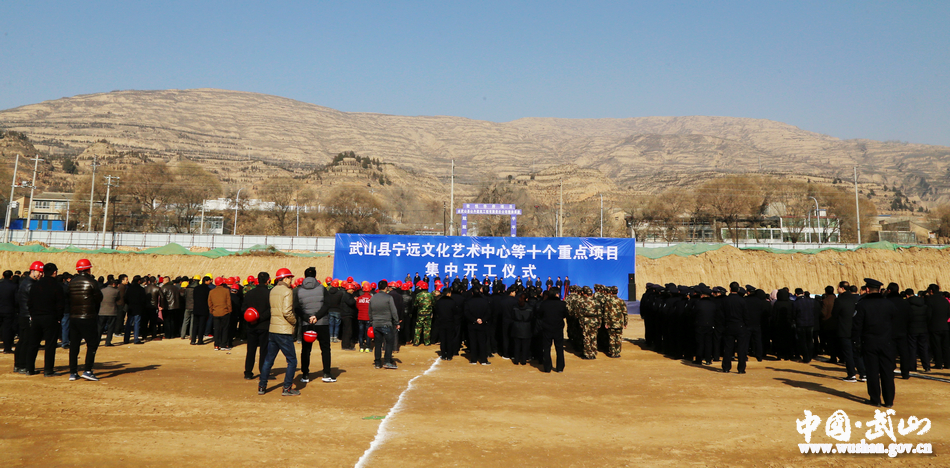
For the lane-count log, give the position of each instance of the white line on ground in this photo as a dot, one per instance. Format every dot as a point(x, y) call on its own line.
point(383, 432)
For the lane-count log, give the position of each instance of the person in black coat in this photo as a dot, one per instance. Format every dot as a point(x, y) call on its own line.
point(258, 332)
point(46, 304)
point(200, 313)
point(899, 327)
point(551, 313)
point(478, 316)
point(873, 317)
point(445, 318)
point(918, 339)
point(939, 329)
point(736, 333)
point(520, 330)
point(137, 302)
point(843, 312)
point(758, 308)
point(8, 310)
point(704, 321)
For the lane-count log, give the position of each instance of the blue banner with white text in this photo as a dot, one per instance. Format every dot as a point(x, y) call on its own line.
point(583, 260)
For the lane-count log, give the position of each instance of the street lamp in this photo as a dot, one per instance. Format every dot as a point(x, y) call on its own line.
point(817, 216)
point(237, 203)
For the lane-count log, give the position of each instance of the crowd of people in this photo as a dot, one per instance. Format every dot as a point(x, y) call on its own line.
point(519, 322)
point(866, 330)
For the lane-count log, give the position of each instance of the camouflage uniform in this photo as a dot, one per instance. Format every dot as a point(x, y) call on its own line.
point(574, 332)
point(423, 305)
point(590, 322)
point(615, 320)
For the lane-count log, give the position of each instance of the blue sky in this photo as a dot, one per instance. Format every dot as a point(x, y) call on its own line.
point(867, 69)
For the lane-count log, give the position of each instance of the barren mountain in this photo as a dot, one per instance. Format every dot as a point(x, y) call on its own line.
point(641, 154)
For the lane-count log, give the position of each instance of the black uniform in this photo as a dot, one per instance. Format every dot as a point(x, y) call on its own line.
point(258, 333)
point(736, 334)
point(872, 327)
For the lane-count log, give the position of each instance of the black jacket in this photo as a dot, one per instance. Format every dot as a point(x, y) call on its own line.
point(843, 311)
point(136, 301)
point(201, 300)
point(259, 298)
point(47, 298)
point(477, 308)
point(8, 294)
point(735, 313)
point(23, 295)
point(521, 322)
point(940, 312)
point(872, 322)
point(919, 316)
point(901, 316)
point(704, 314)
point(84, 297)
point(551, 314)
point(445, 313)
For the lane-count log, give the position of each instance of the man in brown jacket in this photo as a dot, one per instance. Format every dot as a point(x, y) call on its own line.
point(280, 335)
point(219, 303)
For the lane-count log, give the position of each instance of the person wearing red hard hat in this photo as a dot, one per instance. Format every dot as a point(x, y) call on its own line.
point(362, 317)
point(46, 302)
point(348, 316)
point(257, 298)
point(312, 299)
point(280, 333)
point(20, 360)
point(84, 299)
point(219, 304)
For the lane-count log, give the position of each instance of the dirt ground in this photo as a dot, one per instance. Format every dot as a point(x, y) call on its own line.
point(167, 403)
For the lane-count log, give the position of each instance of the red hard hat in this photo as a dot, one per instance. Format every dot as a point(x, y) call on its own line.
point(251, 279)
point(370, 333)
point(310, 336)
point(229, 281)
point(328, 280)
point(335, 283)
point(234, 287)
point(251, 315)
point(349, 278)
point(372, 286)
point(82, 265)
point(218, 281)
point(298, 281)
point(284, 273)
point(397, 283)
point(405, 287)
point(36, 266)
point(366, 288)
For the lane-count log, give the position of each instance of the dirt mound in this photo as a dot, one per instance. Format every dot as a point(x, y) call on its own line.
point(910, 268)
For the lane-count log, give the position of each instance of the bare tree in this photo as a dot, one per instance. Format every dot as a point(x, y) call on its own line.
point(354, 210)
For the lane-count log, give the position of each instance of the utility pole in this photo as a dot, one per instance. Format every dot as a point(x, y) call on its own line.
point(92, 192)
point(29, 211)
point(818, 217)
point(444, 227)
point(105, 213)
point(201, 229)
point(857, 208)
point(13, 186)
point(297, 206)
point(560, 212)
point(237, 203)
point(452, 202)
point(601, 215)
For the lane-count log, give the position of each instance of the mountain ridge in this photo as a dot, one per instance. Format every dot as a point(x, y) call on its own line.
point(213, 124)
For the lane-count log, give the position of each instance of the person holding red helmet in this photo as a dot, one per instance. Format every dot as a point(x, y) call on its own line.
point(84, 300)
point(310, 299)
point(20, 356)
point(257, 298)
point(280, 333)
